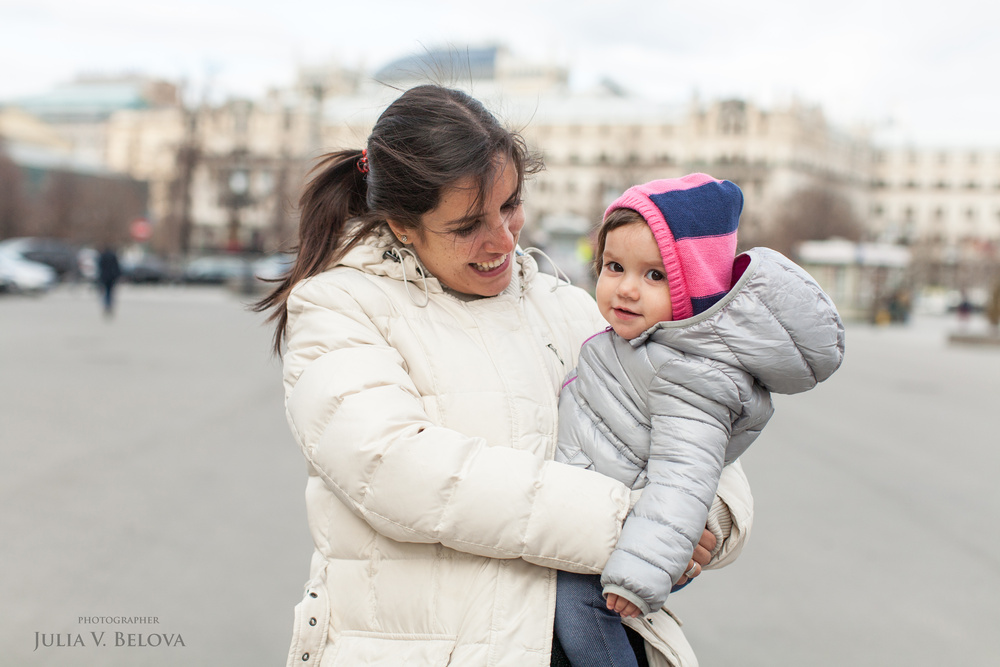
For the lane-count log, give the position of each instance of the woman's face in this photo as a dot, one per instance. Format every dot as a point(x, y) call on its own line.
point(471, 250)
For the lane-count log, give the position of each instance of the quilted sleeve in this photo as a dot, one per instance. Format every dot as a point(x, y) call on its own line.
point(359, 421)
point(690, 405)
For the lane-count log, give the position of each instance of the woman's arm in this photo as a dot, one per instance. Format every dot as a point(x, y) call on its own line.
point(731, 516)
point(360, 421)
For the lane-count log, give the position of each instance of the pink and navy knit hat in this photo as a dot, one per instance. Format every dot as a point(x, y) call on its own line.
point(694, 220)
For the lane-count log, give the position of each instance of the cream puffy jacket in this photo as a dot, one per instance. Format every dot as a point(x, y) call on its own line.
point(428, 424)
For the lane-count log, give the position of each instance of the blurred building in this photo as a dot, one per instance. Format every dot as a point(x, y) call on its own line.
point(228, 175)
point(945, 205)
point(221, 177)
point(79, 110)
point(48, 189)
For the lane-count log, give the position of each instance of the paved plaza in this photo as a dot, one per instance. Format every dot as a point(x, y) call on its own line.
point(151, 493)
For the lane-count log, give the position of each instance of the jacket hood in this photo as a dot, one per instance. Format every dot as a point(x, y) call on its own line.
point(775, 323)
point(694, 220)
point(381, 254)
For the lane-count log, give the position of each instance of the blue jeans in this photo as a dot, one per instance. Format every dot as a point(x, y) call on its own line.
point(591, 634)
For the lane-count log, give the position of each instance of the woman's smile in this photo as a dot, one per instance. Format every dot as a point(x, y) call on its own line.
point(488, 267)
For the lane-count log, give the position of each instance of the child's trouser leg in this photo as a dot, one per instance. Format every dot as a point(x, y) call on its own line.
point(591, 634)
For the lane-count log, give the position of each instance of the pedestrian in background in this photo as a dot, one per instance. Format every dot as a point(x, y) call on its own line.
point(424, 353)
point(108, 273)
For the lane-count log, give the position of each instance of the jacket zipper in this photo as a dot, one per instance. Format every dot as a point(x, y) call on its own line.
point(556, 352)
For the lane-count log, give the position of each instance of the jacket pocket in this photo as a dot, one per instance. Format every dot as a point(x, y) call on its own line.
point(373, 649)
point(311, 626)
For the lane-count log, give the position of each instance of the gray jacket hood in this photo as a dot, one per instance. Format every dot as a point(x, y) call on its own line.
point(775, 324)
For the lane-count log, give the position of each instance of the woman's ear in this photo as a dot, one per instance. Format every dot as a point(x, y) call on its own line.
point(399, 230)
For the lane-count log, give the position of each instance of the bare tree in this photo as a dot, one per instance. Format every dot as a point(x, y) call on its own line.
point(813, 214)
point(12, 199)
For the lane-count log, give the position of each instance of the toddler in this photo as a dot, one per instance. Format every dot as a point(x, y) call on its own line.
point(677, 387)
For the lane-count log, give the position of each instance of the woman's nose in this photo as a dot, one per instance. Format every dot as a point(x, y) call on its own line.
point(501, 236)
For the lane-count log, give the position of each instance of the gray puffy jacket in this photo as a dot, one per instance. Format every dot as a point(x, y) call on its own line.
point(666, 410)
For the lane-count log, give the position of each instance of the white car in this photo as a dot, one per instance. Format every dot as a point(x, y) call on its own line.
point(23, 275)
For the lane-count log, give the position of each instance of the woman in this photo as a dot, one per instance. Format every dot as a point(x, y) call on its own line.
point(424, 355)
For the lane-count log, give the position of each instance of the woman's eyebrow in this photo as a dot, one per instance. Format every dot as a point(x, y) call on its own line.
point(459, 222)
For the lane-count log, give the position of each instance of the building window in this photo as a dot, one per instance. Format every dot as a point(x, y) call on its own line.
point(911, 184)
point(732, 117)
point(941, 185)
point(972, 185)
point(877, 210)
point(908, 214)
point(970, 214)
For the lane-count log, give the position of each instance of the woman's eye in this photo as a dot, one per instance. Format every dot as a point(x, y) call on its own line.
point(653, 274)
point(468, 230)
point(512, 204)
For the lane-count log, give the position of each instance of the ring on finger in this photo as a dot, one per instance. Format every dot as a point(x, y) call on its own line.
point(693, 572)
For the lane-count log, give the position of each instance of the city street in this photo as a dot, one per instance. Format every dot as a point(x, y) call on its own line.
point(148, 477)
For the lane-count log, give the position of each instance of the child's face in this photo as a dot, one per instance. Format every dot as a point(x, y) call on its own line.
point(632, 291)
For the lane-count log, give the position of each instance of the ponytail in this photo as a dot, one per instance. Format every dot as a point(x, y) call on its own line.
point(335, 196)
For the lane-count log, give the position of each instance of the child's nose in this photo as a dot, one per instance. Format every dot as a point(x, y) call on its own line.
point(628, 287)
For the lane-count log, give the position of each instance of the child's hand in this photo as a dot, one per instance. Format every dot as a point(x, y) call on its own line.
point(624, 608)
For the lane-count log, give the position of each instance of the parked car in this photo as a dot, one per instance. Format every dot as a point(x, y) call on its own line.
point(216, 269)
point(273, 267)
point(147, 268)
point(23, 275)
point(61, 255)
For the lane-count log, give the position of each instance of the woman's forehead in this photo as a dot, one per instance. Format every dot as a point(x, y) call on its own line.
point(469, 195)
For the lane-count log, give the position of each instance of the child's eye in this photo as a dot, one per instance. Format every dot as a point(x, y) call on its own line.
point(614, 267)
point(653, 274)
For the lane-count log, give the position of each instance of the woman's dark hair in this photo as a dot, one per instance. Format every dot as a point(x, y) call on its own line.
point(425, 141)
point(617, 218)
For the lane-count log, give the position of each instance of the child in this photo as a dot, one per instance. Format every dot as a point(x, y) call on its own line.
point(678, 386)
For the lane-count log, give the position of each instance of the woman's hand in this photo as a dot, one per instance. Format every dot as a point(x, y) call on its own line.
point(702, 554)
point(624, 608)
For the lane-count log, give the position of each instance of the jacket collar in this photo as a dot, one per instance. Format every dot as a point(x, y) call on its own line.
point(381, 254)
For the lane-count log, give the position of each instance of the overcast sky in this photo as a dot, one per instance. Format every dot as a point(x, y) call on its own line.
point(926, 72)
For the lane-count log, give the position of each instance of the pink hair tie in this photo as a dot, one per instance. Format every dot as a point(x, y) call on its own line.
point(363, 161)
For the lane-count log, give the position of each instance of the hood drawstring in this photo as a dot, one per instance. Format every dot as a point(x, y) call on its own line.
point(561, 278)
point(396, 254)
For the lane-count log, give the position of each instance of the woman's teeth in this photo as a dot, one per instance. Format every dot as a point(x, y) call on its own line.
point(489, 266)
